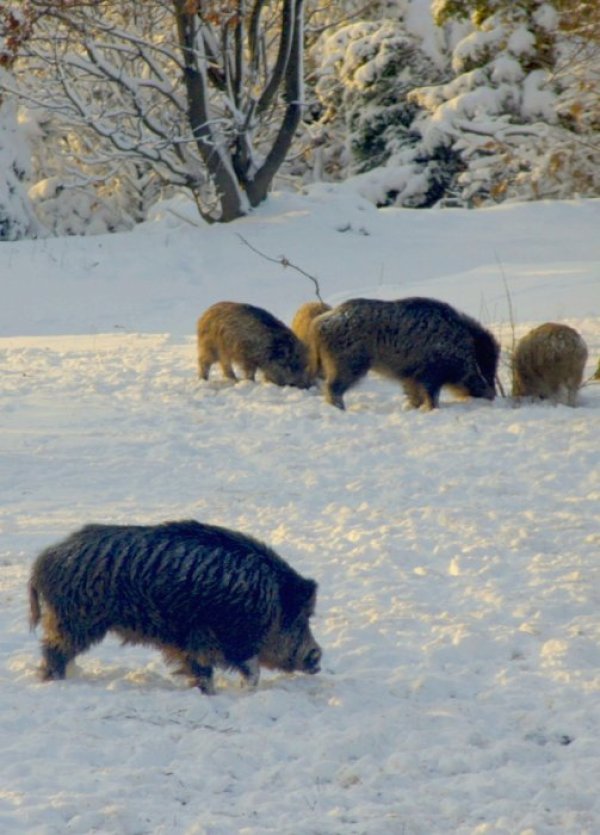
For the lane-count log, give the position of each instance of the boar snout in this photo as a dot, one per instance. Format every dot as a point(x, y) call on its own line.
point(312, 661)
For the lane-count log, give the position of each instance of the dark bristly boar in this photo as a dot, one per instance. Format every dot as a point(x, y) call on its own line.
point(548, 363)
point(231, 332)
point(204, 595)
point(423, 343)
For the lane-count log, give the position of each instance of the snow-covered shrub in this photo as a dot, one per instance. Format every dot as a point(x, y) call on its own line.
point(511, 112)
point(71, 209)
point(16, 216)
point(117, 193)
point(365, 72)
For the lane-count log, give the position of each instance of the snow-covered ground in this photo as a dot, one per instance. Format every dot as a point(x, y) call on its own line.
point(456, 551)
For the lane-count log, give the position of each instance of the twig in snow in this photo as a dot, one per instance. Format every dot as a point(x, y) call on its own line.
point(183, 217)
point(284, 262)
point(511, 314)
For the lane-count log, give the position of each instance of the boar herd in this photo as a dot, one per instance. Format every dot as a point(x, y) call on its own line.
point(422, 343)
point(211, 597)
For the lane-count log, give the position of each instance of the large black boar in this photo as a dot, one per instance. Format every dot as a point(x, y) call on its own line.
point(204, 595)
point(423, 343)
point(548, 363)
point(230, 332)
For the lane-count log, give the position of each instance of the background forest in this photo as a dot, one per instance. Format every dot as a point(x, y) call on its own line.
point(107, 107)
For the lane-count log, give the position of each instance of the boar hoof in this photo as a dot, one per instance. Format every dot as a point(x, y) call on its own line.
point(250, 671)
point(203, 678)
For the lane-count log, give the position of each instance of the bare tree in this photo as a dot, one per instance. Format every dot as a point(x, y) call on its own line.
point(207, 93)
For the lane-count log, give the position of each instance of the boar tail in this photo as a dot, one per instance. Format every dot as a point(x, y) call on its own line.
point(35, 612)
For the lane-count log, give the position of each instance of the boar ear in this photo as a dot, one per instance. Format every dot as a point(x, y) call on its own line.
point(298, 597)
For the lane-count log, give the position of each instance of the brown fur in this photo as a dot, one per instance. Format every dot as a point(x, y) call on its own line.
point(548, 364)
point(303, 318)
point(302, 326)
point(253, 339)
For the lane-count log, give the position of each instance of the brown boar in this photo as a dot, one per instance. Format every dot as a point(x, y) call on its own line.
point(204, 595)
point(302, 324)
point(230, 332)
point(548, 363)
point(304, 316)
point(423, 343)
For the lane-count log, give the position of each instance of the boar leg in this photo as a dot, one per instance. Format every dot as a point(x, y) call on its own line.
point(572, 390)
point(430, 387)
point(431, 400)
point(340, 376)
point(334, 390)
point(249, 370)
point(60, 645)
point(227, 368)
point(54, 663)
point(206, 357)
point(201, 675)
point(250, 671)
point(414, 391)
point(204, 368)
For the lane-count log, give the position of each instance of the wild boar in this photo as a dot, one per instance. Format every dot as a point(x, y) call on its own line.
point(230, 332)
point(204, 595)
point(548, 363)
point(302, 324)
point(423, 343)
point(304, 316)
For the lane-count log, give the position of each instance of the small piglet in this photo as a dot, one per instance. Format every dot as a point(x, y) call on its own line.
point(548, 364)
point(254, 339)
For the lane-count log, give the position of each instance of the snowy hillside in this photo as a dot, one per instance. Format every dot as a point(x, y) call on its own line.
point(456, 551)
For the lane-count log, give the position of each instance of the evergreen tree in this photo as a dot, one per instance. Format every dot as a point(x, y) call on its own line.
point(512, 119)
point(365, 72)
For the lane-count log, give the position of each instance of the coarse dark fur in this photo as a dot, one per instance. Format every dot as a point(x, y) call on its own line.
point(548, 363)
point(231, 332)
point(424, 343)
point(204, 595)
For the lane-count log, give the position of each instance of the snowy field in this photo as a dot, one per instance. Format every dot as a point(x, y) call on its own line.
point(457, 551)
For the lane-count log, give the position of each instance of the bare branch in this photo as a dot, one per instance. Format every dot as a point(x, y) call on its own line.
point(284, 262)
point(208, 94)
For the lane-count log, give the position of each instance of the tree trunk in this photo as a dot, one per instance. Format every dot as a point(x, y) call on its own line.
point(209, 143)
point(258, 186)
